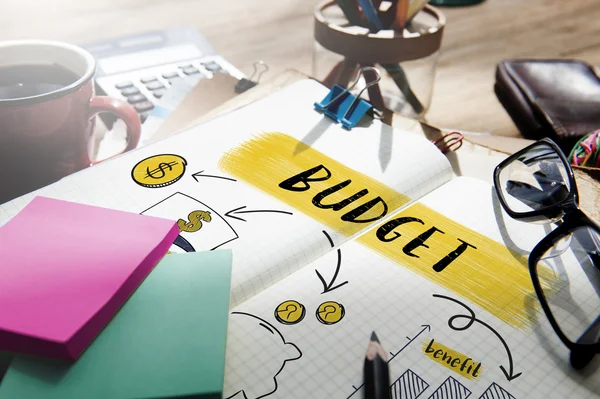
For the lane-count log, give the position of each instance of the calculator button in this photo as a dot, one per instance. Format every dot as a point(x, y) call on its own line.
point(148, 79)
point(155, 85)
point(186, 66)
point(136, 98)
point(190, 70)
point(212, 66)
point(143, 106)
point(159, 93)
point(144, 116)
point(124, 84)
point(130, 91)
point(170, 75)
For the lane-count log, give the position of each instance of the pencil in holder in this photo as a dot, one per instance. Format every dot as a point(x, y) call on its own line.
point(407, 59)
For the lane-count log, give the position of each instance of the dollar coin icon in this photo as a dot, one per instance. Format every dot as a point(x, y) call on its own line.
point(290, 312)
point(159, 170)
point(330, 312)
point(194, 222)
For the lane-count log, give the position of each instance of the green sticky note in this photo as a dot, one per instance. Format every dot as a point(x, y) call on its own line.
point(167, 341)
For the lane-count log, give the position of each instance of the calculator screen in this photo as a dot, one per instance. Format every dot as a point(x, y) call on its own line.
point(148, 58)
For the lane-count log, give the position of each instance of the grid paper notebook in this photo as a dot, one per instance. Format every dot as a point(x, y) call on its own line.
point(321, 354)
point(330, 242)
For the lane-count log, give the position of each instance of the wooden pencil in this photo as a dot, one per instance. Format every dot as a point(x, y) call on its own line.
point(401, 15)
point(376, 373)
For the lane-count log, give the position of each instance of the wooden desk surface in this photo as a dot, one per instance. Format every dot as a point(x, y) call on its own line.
point(280, 32)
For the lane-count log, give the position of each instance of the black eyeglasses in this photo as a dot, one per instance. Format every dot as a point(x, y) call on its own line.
point(537, 185)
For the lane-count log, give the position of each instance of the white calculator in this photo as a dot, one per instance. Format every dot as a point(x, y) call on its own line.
point(141, 68)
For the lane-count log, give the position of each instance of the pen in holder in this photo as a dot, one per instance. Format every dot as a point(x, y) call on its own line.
point(406, 59)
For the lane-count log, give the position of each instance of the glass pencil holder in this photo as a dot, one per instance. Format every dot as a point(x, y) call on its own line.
point(406, 60)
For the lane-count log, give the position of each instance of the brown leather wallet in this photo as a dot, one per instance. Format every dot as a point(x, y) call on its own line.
point(559, 99)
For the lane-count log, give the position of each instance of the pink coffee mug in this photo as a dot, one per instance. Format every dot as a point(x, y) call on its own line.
point(47, 114)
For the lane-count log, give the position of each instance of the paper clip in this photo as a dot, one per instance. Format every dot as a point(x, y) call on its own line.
point(245, 84)
point(450, 142)
point(342, 106)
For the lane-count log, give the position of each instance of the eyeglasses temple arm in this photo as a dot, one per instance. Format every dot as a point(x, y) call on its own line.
point(595, 257)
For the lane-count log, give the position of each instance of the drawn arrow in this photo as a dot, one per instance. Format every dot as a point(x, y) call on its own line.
point(330, 287)
point(509, 376)
point(238, 211)
point(472, 319)
point(200, 174)
point(410, 340)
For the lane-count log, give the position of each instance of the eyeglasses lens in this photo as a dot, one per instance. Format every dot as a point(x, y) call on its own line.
point(536, 180)
point(570, 280)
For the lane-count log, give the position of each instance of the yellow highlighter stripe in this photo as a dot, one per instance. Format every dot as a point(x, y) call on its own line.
point(311, 182)
point(453, 360)
point(424, 241)
point(467, 263)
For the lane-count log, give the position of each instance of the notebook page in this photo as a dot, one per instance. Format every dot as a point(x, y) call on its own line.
point(208, 179)
point(294, 341)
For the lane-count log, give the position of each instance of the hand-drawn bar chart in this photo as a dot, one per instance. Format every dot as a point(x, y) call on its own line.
point(451, 389)
point(408, 386)
point(495, 391)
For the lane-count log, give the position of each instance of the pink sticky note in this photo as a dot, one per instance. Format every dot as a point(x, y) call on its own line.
point(65, 270)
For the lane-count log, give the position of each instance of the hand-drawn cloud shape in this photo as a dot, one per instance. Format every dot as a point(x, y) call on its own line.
point(252, 372)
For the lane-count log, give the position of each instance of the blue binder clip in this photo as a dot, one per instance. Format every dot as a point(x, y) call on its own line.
point(344, 107)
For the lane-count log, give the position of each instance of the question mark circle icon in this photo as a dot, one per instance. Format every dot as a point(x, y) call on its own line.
point(330, 312)
point(158, 170)
point(290, 312)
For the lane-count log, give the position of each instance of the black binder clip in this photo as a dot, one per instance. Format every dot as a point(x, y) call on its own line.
point(245, 84)
point(346, 108)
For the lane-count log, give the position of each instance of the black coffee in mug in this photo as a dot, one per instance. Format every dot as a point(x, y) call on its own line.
point(18, 81)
